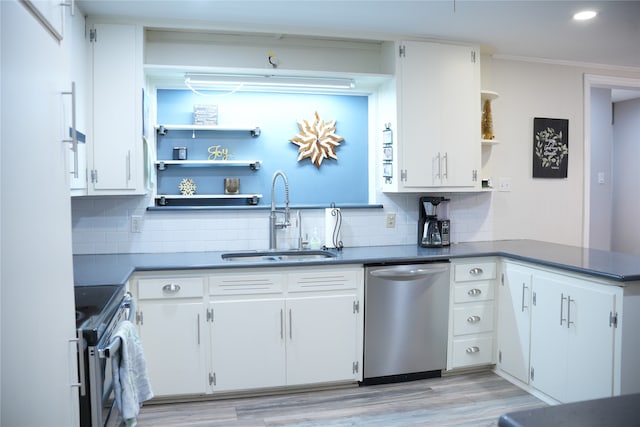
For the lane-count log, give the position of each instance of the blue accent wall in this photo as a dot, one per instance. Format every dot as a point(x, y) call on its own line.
point(342, 181)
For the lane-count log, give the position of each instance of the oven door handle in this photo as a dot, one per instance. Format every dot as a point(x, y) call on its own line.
point(114, 345)
point(130, 303)
point(112, 348)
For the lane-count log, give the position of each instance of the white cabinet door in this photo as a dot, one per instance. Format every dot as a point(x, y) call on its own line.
point(514, 319)
point(321, 339)
point(571, 338)
point(438, 92)
point(116, 144)
point(173, 337)
point(248, 344)
point(549, 337)
point(591, 342)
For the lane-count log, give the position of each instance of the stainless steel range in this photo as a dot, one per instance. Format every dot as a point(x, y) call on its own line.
point(99, 311)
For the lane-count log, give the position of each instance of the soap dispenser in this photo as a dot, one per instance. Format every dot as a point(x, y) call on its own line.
point(314, 242)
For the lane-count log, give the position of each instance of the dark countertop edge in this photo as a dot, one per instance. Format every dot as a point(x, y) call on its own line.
point(125, 271)
point(600, 274)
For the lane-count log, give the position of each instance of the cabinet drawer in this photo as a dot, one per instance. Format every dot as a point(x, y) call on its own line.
point(472, 351)
point(171, 287)
point(323, 280)
point(246, 283)
point(473, 319)
point(473, 292)
point(474, 271)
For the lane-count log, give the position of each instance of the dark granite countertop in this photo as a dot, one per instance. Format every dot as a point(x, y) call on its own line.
point(618, 267)
point(610, 411)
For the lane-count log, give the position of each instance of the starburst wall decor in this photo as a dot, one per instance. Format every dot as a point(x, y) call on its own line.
point(317, 140)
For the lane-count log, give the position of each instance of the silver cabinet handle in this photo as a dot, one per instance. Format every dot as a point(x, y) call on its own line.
point(524, 286)
point(474, 292)
point(439, 175)
point(198, 327)
point(290, 326)
point(281, 324)
point(474, 349)
point(476, 271)
point(562, 298)
point(171, 288)
point(74, 131)
point(473, 319)
point(445, 174)
point(128, 165)
point(569, 321)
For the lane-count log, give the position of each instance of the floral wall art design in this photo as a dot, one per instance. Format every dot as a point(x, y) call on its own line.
point(550, 147)
point(317, 140)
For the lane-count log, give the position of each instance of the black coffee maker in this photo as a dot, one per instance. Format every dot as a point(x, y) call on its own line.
point(432, 232)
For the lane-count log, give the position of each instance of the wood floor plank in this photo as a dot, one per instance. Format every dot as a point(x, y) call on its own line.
point(476, 399)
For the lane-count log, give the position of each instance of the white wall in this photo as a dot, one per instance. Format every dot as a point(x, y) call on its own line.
point(541, 209)
point(626, 177)
point(601, 193)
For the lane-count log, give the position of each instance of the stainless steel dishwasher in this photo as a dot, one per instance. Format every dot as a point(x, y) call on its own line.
point(405, 321)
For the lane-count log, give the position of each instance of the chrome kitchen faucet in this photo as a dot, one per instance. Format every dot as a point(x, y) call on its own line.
point(273, 224)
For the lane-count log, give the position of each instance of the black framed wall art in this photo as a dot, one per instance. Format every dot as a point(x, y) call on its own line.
point(550, 147)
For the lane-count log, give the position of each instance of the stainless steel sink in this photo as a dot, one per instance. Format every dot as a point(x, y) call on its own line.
point(290, 255)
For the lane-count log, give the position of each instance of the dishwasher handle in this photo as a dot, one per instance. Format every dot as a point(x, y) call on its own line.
point(399, 274)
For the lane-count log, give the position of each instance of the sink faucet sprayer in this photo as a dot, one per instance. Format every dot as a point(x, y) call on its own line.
point(273, 225)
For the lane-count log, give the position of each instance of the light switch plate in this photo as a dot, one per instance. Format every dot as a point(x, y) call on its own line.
point(391, 220)
point(504, 184)
point(136, 223)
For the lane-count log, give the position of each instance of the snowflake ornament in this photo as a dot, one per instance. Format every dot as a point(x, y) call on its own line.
point(317, 140)
point(187, 187)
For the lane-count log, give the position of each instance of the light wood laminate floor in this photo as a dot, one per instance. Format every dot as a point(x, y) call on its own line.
point(476, 399)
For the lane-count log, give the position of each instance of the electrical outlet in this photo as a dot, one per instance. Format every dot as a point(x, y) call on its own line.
point(391, 220)
point(136, 223)
point(504, 184)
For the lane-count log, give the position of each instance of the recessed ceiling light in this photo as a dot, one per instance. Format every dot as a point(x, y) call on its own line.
point(584, 15)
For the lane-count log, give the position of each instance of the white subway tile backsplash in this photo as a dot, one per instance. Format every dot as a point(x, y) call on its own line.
point(102, 225)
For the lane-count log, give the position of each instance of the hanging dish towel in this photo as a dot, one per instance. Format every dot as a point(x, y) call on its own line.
point(130, 381)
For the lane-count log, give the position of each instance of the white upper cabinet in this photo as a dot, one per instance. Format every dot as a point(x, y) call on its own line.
point(437, 135)
point(115, 152)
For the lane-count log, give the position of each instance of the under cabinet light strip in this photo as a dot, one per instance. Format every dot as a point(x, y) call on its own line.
point(268, 80)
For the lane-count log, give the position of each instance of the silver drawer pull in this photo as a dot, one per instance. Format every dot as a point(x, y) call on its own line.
point(171, 288)
point(476, 271)
point(474, 292)
point(474, 349)
point(473, 319)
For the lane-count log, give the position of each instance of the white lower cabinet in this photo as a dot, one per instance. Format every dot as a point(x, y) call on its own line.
point(559, 332)
point(514, 320)
point(248, 329)
point(248, 344)
point(322, 339)
point(170, 318)
point(471, 313)
point(285, 327)
point(572, 338)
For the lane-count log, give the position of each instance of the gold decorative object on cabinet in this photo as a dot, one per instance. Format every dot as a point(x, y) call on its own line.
point(487, 121)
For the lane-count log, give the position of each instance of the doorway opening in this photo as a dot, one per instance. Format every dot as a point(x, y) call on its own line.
point(607, 177)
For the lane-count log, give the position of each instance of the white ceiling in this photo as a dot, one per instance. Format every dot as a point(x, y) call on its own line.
point(533, 29)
